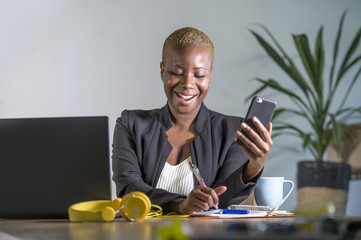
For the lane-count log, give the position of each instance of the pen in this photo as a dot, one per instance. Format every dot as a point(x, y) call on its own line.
point(196, 173)
point(234, 211)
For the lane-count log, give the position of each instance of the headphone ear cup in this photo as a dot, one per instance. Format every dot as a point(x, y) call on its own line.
point(116, 203)
point(135, 206)
point(91, 211)
point(108, 214)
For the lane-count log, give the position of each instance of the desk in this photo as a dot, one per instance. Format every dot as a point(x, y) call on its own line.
point(195, 228)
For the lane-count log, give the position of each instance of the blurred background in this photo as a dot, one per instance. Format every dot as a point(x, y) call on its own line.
point(99, 57)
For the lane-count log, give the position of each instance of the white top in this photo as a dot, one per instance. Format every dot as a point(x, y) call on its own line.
point(177, 179)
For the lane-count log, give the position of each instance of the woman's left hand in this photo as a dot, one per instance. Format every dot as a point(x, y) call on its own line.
point(258, 149)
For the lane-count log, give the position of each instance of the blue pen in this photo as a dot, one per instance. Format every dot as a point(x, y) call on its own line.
point(234, 211)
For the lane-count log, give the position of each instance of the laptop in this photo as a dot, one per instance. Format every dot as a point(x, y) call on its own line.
point(47, 164)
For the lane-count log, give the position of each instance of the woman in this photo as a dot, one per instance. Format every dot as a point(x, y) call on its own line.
point(152, 149)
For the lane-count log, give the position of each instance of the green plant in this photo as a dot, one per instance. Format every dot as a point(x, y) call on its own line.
point(314, 96)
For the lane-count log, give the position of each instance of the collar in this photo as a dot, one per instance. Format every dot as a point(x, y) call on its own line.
point(202, 119)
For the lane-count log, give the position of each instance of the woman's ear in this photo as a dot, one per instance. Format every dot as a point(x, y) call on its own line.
point(210, 78)
point(161, 70)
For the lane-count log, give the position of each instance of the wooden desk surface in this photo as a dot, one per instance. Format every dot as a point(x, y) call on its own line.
point(147, 229)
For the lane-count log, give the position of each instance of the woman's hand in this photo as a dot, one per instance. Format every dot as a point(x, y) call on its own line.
point(258, 150)
point(200, 199)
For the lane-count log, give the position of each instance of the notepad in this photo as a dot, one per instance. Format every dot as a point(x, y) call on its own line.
point(251, 208)
point(261, 210)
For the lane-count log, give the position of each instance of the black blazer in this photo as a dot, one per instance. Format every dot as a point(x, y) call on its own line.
point(141, 148)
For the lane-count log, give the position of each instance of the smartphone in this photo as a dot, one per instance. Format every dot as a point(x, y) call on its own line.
point(263, 109)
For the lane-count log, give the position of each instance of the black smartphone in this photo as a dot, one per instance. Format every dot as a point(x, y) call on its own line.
point(263, 109)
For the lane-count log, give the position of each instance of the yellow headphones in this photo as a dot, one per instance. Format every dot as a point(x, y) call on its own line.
point(134, 206)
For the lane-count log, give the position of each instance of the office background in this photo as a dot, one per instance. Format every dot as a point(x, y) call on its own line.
point(99, 57)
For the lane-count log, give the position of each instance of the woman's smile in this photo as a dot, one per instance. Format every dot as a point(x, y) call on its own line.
point(184, 98)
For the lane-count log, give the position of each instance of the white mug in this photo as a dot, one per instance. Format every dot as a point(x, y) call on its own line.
point(269, 191)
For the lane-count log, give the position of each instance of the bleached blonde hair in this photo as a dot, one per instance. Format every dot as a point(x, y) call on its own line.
point(188, 37)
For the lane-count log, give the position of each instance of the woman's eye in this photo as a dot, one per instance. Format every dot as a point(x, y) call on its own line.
point(176, 74)
point(199, 76)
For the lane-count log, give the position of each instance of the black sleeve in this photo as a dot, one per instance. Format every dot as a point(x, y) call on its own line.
point(127, 163)
point(231, 176)
point(232, 162)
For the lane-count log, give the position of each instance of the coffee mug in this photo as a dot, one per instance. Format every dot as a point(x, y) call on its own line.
point(269, 191)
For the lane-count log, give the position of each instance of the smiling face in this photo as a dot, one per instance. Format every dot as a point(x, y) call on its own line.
point(186, 75)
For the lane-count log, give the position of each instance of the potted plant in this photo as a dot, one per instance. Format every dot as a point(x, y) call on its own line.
point(314, 99)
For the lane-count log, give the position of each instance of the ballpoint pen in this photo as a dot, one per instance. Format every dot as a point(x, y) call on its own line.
point(196, 173)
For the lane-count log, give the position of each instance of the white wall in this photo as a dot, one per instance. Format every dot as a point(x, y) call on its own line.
point(99, 57)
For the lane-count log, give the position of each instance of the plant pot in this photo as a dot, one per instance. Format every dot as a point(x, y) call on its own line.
point(323, 182)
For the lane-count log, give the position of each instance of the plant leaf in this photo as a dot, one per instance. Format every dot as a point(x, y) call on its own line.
point(336, 133)
point(297, 132)
point(347, 113)
point(347, 133)
point(344, 66)
point(325, 126)
point(335, 50)
point(271, 52)
point(275, 86)
point(290, 69)
point(301, 81)
point(303, 48)
point(255, 93)
point(278, 112)
point(319, 56)
point(350, 87)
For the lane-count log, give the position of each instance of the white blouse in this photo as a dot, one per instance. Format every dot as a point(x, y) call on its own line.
point(177, 179)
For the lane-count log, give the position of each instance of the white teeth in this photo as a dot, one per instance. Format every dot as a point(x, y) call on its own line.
point(185, 97)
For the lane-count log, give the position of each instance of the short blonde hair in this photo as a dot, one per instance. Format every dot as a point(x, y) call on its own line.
point(188, 37)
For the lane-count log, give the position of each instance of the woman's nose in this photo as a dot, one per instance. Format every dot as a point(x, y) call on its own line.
point(188, 81)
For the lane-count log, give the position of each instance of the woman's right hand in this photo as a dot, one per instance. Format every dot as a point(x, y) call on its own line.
point(200, 199)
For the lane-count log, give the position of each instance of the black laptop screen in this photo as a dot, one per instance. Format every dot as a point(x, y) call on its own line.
point(47, 164)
